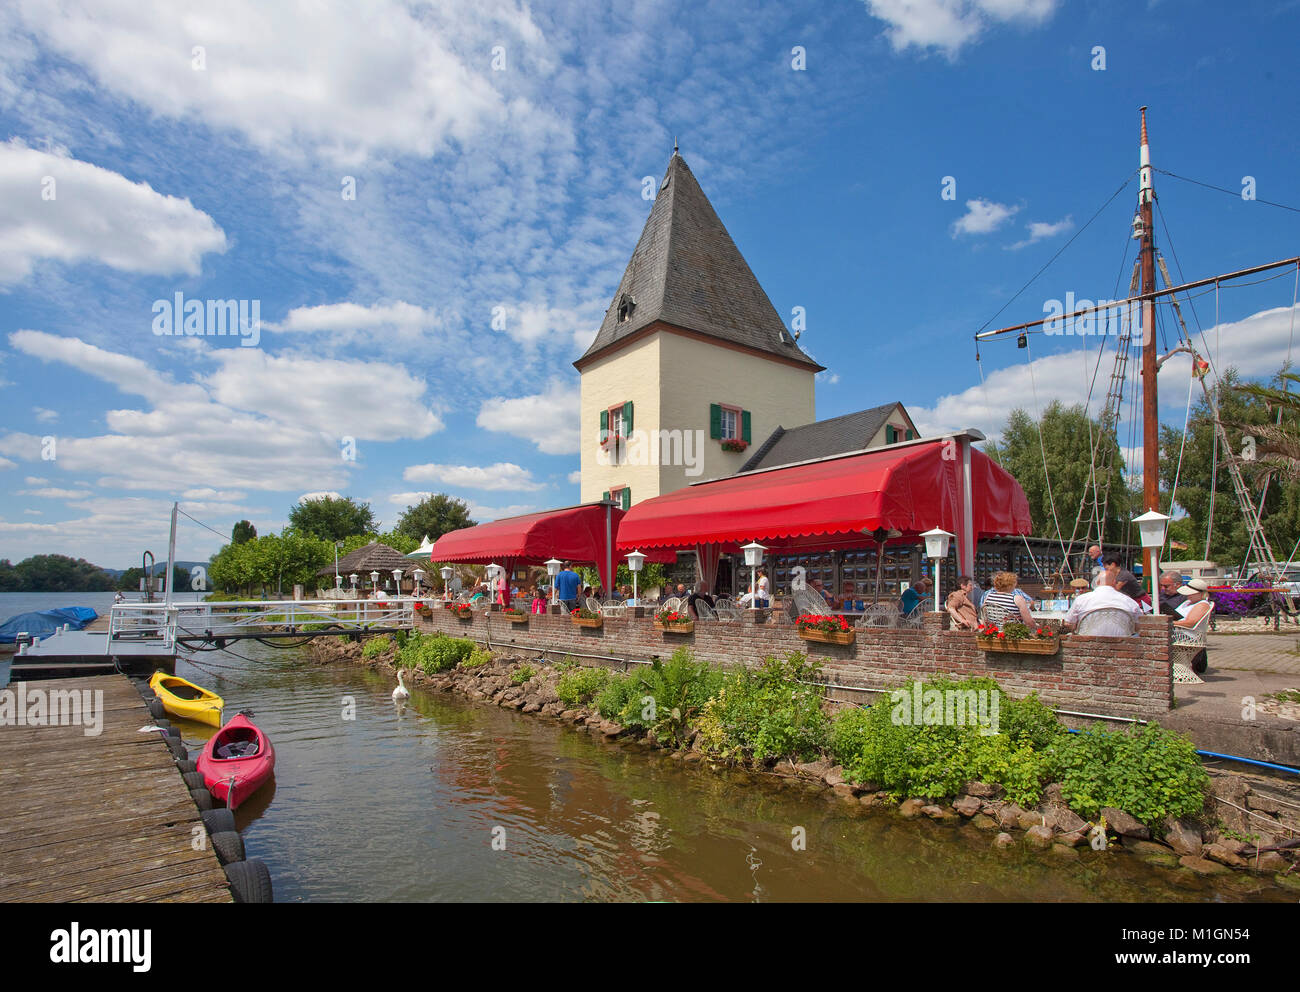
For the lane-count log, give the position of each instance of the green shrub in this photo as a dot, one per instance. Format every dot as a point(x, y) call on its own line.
point(1029, 721)
point(434, 652)
point(522, 674)
point(767, 712)
point(613, 699)
point(577, 686)
point(375, 647)
point(477, 658)
point(677, 689)
point(1149, 773)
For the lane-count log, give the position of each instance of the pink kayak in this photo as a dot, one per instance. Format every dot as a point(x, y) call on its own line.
point(236, 761)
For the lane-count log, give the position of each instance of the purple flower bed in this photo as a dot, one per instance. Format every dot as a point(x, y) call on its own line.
point(1239, 602)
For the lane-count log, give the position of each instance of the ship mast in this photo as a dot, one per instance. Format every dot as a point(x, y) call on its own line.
point(1143, 230)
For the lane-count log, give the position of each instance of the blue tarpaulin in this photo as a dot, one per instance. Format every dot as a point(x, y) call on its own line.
point(45, 622)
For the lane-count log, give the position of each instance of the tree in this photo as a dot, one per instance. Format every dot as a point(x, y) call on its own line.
point(434, 516)
point(130, 579)
point(332, 519)
point(242, 531)
point(1244, 412)
point(59, 573)
point(1068, 437)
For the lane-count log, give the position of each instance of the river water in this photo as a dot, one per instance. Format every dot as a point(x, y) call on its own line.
point(448, 800)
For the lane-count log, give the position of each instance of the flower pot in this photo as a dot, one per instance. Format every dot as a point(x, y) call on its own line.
point(828, 636)
point(676, 628)
point(1025, 645)
point(518, 618)
point(588, 621)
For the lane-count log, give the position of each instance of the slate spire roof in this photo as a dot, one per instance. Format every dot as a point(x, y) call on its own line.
point(686, 271)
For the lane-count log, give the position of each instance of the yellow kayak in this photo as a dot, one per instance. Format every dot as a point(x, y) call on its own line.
point(187, 700)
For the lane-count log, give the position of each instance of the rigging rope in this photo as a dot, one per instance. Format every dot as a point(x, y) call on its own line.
point(1043, 449)
point(1235, 193)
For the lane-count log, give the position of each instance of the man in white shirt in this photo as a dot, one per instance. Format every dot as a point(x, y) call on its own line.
point(1104, 597)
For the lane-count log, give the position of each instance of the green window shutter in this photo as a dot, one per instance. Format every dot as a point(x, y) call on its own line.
point(627, 419)
point(604, 425)
point(890, 434)
point(605, 495)
point(715, 421)
point(744, 426)
point(627, 497)
point(909, 434)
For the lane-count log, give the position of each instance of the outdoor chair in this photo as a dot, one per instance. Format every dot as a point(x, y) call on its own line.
point(808, 602)
point(1188, 642)
point(1109, 622)
point(703, 611)
point(593, 604)
point(613, 608)
point(879, 615)
point(913, 620)
point(727, 610)
point(671, 603)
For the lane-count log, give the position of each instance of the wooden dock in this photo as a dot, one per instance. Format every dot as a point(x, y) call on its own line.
point(104, 818)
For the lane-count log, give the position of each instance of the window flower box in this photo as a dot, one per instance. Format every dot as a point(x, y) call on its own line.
point(674, 622)
point(734, 444)
point(825, 629)
point(462, 611)
point(515, 615)
point(587, 618)
point(1018, 638)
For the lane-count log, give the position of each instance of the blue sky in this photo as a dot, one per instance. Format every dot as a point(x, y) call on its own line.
point(497, 152)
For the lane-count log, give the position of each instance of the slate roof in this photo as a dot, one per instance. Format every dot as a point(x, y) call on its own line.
point(372, 557)
point(686, 271)
point(850, 432)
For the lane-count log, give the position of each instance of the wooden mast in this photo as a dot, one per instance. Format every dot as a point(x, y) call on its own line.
point(1150, 418)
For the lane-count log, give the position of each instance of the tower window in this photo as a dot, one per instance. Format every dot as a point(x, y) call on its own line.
point(625, 307)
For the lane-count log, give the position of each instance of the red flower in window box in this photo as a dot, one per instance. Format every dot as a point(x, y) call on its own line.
point(734, 444)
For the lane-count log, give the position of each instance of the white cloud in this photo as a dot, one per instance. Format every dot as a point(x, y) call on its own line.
point(549, 420)
point(1040, 230)
point(34, 513)
point(500, 476)
point(7, 463)
point(95, 215)
point(45, 416)
point(575, 477)
point(482, 513)
point(341, 80)
point(982, 217)
point(308, 497)
point(1256, 346)
point(196, 435)
point(213, 494)
point(950, 24)
point(51, 493)
point(35, 480)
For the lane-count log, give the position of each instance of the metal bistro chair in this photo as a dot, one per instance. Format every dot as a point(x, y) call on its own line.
point(727, 610)
point(613, 608)
point(593, 604)
point(671, 603)
point(1110, 622)
point(1188, 642)
point(880, 615)
point(703, 611)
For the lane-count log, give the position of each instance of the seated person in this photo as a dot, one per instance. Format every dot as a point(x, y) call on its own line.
point(1002, 604)
point(700, 593)
point(1196, 603)
point(1104, 597)
point(914, 597)
point(960, 607)
point(1170, 599)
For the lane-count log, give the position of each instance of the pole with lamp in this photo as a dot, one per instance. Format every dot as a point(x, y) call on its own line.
point(936, 549)
point(553, 567)
point(352, 580)
point(397, 582)
point(337, 581)
point(1151, 527)
point(374, 583)
point(753, 558)
point(418, 575)
point(493, 572)
point(446, 572)
point(635, 562)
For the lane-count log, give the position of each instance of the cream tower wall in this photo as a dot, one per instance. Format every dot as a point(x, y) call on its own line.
point(671, 380)
point(694, 374)
point(630, 373)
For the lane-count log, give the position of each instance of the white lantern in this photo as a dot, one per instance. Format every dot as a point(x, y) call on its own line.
point(353, 579)
point(936, 549)
point(1151, 529)
point(397, 579)
point(553, 569)
point(635, 562)
point(753, 558)
point(374, 581)
point(446, 572)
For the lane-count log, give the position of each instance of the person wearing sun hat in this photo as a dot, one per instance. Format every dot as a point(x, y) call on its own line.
point(1195, 605)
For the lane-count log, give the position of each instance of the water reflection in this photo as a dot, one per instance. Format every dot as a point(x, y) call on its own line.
point(446, 800)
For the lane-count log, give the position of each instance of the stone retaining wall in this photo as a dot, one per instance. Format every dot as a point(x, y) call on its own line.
point(1104, 675)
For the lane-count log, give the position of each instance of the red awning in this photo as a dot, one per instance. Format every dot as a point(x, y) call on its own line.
point(833, 503)
point(575, 533)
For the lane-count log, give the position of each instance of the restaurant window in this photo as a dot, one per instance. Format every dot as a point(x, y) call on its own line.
point(729, 423)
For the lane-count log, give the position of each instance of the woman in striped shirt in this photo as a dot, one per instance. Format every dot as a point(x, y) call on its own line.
point(1002, 604)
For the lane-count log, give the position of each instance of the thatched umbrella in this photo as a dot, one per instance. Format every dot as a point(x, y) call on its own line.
point(373, 557)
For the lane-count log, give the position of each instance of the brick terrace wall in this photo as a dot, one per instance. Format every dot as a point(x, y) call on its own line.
point(1106, 675)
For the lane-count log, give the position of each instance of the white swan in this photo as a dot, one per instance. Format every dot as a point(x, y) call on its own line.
point(400, 693)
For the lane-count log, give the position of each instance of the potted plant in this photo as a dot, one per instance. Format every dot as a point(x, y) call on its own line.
point(462, 610)
point(583, 617)
point(1018, 638)
point(674, 622)
point(515, 614)
point(826, 629)
point(734, 444)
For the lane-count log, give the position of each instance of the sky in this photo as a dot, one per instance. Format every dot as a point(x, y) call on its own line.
point(425, 210)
